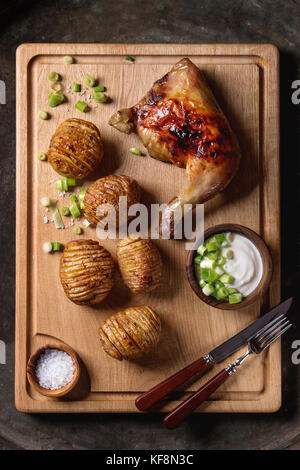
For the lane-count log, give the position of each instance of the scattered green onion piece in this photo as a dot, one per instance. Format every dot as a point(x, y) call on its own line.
point(58, 185)
point(98, 89)
point(47, 247)
point(100, 97)
point(135, 151)
point(54, 77)
point(226, 278)
point(58, 222)
point(202, 283)
point(224, 244)
point(81, 106)
point(71, 182)
point(229, 254)
point(89, 81)
point(128, 57)
point(64, 183)
point(65, 211)
point(208, 263)
point(219, 271)
point(75, 212)
point(43, 115)
point(201, 250)
point(213, 255)
point(42, 156)
point(230, 237)
point(218, 284)
point(55, 99)
point(68, 59)
point(208, 289)
point(221, 261)
point(86, 223)
point(56, 246)
point(73, 198)
point(209, 275)
point(82, 194)
point(76, 87)
point(235, 298)
point(56, 86)
point(45, 201)
point(77, 230)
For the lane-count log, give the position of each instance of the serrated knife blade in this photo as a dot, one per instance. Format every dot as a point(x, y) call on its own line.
point(240, 339)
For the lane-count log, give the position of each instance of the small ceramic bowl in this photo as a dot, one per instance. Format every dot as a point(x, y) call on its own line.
point(31, 365)
point(261, 288)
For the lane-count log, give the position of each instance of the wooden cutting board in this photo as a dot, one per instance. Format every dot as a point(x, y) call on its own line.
point(244, 79)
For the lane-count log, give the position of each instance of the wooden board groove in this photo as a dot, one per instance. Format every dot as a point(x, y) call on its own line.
point(244, 79)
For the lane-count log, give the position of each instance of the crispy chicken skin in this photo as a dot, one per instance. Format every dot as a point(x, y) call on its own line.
point(180, 121)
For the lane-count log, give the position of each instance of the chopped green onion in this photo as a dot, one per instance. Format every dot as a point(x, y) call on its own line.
point(100, 97)
point(68, 59)
point(211, 245)
point(89, 81)
point(208, 289)
point(208, 263)
point(42, 156)
point(202, 283)
point(230, 237)
point(231, 290)
point(57, 219)
point(82, 194)
point(71, 182)
point(45, 201)
point(86, 223)
point(135, 151)
point(219, 271)
point(73, 198)
point(81, 106)
point(55, 99)
point(197, 259)
point(76, 87)
point(77, 230)
point(229, 254)
point(43, 115)
point(65, 211)
point(47, 247)
point(201, 250)
point(226, 278)
point(235, 298)
point(221, 293)
point(209, 275)
point(224, 244)
point(54, 77)
point(99, 88)
point(75, 212)
point(213, 255)
point(220, 237)
point(128, 57)
point(221, 261)
point(218, 284)
point(56, 246)
point(56, 86)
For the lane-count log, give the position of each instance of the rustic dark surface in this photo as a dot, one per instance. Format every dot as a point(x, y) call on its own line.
point(189, 21)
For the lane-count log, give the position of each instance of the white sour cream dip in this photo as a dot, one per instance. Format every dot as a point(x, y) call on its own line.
point(245, 266)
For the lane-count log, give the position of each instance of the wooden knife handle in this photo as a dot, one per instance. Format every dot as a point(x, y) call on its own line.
point(185, 408)
point(147, 399)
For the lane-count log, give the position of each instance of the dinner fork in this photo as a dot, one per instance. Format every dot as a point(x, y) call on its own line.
point(257, 344)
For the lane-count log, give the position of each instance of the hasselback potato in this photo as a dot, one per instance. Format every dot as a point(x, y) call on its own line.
point(86, 272)
point(131, 333)
point(108, 190)
point(76, 148)
point(140, 264)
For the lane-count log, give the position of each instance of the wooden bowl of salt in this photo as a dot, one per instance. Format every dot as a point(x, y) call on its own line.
point(53, 370)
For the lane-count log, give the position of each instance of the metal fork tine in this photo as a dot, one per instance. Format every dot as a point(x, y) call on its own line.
point(273, 338)
point(268, 325)
point(278, 326)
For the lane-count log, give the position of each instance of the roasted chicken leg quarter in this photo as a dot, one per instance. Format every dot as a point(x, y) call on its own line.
point(180, 121)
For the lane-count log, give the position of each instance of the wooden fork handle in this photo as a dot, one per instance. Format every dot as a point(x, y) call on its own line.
point(185, 408)
point(147, 399)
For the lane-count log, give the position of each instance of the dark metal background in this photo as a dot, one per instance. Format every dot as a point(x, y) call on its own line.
point(130, 21)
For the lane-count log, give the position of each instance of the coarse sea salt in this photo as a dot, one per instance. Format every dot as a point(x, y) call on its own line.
point(54, 369)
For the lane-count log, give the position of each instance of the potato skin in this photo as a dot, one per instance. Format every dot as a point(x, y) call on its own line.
point(131, 333)
point(86, 272)
point(107, 190)
point(76, 148)
point(140, 264)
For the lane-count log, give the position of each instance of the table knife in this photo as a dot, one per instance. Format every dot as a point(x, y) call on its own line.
point(148, 399)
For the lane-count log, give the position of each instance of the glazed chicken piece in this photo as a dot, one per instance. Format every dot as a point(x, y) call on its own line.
point(180, 121)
